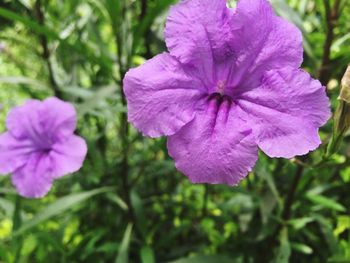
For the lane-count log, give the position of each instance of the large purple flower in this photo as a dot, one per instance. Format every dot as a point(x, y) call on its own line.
point(230, 83)
point(40, 145)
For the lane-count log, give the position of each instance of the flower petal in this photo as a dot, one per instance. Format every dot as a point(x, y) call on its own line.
point(13, 152)
point(199, 31)
point(68, 157)
point(23, 122)
point(162, 97)
point(262, 41)
point(59, 118)
point(43, 122)
point(34, 179)
point(216, 147)
point(286, 112)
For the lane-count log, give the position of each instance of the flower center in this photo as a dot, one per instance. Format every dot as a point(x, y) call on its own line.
point(220, 87)
point(43, 143)
point(221, 92)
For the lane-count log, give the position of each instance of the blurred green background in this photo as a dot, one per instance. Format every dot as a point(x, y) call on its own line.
point(128, 203)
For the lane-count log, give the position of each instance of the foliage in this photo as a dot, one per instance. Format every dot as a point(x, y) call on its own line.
point(128, 203)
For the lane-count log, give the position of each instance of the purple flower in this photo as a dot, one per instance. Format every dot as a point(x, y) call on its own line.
point(40, 145)
point(230, 83)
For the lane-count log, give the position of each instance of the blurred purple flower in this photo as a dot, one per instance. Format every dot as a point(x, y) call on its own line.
point(2, 47)
point(40, 145)
point(230, 83)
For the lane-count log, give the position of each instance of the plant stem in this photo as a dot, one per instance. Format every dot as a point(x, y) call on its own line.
point(332, 15)
point(288, 203)
point(205, 201)
point(124, 125)
point(144, 6)
point(291, 194)
point(144, 10)
point(46, 52)
point(17, 222)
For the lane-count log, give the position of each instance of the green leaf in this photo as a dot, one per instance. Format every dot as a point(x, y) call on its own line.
point(147, 255)
point(15, 80)
point(326, 202)
point(97, 99)
point(7, 206)
point(78, 47)
point(61, 205)
point(152, 14)
point(204, 259)
point(343, 224)
point(299, 223)
point(284, 250)
point(118, 200)
point(302, 248)
point(137, 205)
point(123, 254)
point(263, 173)
point(113, 8)
point(327, 231)
point(43, 30)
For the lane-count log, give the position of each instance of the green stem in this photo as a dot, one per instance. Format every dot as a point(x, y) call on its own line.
point(46, 52)
point(17, 222)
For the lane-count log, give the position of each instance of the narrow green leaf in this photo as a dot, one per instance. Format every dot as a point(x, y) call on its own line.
point(15, 80)
point(52, 35)
point(326, 202)
point(302, 248)
point(7, 206)
point(118, 200)
point(60, 206)
point(147, 255)
point(284, 250)
point(123, 254)
point(43, 30)
point(137, 205)
point(299, 223)
point(204, 259)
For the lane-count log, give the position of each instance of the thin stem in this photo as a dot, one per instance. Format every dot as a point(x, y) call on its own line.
point(46, 51)
point(205, 201)
point(288, 203)
point(144, 10)
point(332, 15)
point(124, 125)
point(17, 222)
point(291, 194)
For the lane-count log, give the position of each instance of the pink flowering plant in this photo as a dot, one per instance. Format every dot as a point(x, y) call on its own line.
point(231, 83)
point(40, 145)
point(211, 131)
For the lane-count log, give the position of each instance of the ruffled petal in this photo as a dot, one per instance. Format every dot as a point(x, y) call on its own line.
point(286, 112)
point(42, 122)
point(68, 157)
point(34, 179)
point(58, 118)
point(232, 46)
point(216, 147)
point(14, 153)
point(262, 41)
point(23, 122)
point(199, 31)
point(162, 97)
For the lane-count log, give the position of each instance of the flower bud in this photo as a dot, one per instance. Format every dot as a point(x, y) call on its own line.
point(345, 90)
point(342, 114)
